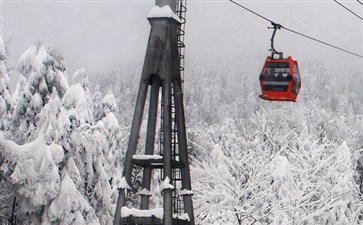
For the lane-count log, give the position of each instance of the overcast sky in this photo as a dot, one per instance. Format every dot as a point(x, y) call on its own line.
point(99, 35)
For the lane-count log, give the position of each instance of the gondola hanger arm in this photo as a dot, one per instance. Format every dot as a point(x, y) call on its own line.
point(276, 27)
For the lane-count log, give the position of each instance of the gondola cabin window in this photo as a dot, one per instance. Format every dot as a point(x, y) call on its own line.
point(276, 76)
point(296, 80)
point(276, 70)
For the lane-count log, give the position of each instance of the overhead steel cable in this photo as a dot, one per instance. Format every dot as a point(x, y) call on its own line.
point(323, 42)
point(349, 10)
point(249, 10)
point(360, 2)
point(296, 32)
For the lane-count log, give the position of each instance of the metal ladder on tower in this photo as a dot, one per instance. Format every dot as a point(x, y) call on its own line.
point(181, 12)
point(177, 178)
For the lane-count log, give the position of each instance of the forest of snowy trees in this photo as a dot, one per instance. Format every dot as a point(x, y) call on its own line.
point(60, 151)
point(63, 138)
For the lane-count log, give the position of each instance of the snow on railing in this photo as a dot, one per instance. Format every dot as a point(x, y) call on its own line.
point(146, 157)
point(183, 216)
point(157, 212)
point(185, 192)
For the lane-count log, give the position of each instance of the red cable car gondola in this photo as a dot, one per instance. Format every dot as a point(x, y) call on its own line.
point(280, 77)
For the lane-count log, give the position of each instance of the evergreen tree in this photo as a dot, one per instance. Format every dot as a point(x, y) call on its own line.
point(5, 98)
point(43, 68)
point(6, 196)
point(61, 167)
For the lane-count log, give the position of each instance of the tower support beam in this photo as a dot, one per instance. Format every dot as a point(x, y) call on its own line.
point(131, 148)
point(150, 137)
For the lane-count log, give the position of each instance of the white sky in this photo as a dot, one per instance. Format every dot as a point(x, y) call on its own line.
point(101, 34)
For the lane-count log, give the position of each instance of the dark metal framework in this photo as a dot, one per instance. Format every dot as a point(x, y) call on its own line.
point(162, 72)
point(276, 27)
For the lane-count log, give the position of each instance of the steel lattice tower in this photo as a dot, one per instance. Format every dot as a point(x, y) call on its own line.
point(162, 71)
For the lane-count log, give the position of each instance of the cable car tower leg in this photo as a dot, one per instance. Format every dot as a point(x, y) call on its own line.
point(131, 148)
point(150, 138)
point(182, 139)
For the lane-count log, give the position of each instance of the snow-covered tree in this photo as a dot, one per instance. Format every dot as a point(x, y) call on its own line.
point(43, 68)
point(5, 97)
point(244, 177)
point(61, 163)
point(6, 106)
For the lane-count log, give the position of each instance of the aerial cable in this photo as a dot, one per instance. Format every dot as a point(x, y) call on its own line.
point(249, 10)
point(349, 9)
point(360, 2)
point(323, 42)
point(296, 32)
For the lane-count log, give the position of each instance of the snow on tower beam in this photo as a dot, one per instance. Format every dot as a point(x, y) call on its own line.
point(153, 162)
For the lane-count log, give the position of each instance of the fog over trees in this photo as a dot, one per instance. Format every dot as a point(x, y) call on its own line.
point(63, 139)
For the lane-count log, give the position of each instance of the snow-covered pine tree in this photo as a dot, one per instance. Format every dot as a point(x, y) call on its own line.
point(76, 183)
point(6, 193)
point(42, 66)
point(114, 156)
point(97, 105)
point(36, 173)
point(88, 149)
point(5, 98)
